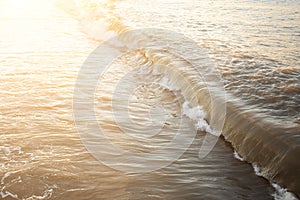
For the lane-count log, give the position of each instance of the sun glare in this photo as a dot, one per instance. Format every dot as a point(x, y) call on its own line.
point(17, 3)
point(17, 8)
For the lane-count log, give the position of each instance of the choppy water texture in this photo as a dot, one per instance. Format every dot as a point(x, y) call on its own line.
point(255, 45)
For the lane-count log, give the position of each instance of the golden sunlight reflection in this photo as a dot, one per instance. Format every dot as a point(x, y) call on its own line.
point(22, 26)
point(77, 105)
point(18, 8)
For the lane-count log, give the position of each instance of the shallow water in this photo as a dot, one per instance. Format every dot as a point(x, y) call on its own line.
point(42, 154)
point(255, 45)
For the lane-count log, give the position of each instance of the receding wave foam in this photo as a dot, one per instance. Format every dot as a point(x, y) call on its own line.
point(237, 156)
point(198, 115)
point(280, 192)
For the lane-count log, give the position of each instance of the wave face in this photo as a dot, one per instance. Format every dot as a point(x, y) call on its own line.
point(251, 50)
point(257, 56)
point(257, 63)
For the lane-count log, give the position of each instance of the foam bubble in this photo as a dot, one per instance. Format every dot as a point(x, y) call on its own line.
point(46, 195)
point(282, 193)
point(257, 170)
point(8, 150)
point(97, 29)
point(198, 115)
point(7, 194)
point(194, 113)
point(237, 156)
point(7, 174)
point(165, 82)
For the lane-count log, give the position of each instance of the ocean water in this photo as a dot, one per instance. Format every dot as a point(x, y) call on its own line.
point(49, 88)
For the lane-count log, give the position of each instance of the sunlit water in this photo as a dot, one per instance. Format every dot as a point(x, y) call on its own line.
point(255, 44)
point(42, 50)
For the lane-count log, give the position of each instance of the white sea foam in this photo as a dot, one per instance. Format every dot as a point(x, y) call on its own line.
point(7, 174)
point(257, 170)
point(282, 193)
point(4, 193)
point(98, 29)
point(237, 156)
point(194, 113)
point(198, 115)
point(8, 150)
point(7, 194)
point(46, 195)
point(165, 82)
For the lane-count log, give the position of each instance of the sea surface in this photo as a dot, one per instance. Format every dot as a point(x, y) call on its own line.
point(52, 78)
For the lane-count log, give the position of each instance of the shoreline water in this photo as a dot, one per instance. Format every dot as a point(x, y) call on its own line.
point(246, 130)
point(44, 158)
